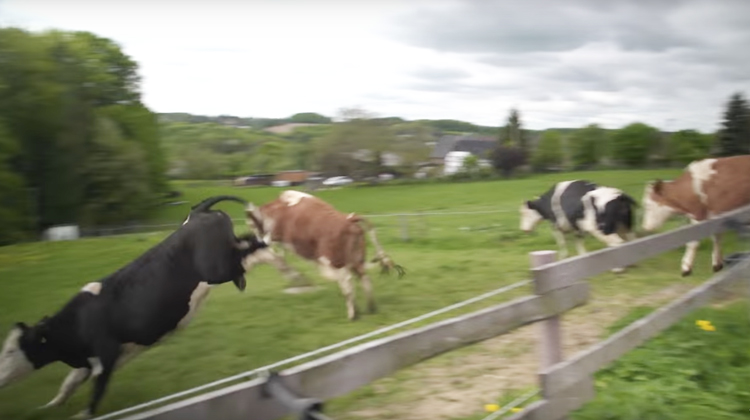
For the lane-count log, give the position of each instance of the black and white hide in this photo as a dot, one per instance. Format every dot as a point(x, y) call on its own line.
point(581, 207)
point(109, 321)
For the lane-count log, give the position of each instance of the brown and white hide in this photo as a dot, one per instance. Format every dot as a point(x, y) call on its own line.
point(316, 231)
point(707, 188)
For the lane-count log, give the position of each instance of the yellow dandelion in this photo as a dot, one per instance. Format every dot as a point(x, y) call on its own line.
point(708, 327)
point(491, 407)
point(702, 322)
point(515, 410)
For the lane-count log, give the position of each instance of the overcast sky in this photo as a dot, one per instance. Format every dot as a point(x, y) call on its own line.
point(567, 63)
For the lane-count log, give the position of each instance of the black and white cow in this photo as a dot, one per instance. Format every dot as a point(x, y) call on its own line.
point(581, 207)
point(109, 321)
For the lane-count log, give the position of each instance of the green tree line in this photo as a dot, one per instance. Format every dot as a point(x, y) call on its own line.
point(76, 143)
point(635, 145)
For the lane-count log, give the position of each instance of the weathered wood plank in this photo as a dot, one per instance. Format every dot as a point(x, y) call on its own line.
point(561, 405)
point(550, 334)
point(587, 362)
point(571, 270)
point(349, 369)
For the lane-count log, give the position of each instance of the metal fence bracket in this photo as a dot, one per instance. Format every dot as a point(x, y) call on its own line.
point(307, 408)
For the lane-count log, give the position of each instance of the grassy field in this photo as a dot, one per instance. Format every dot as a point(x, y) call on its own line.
point(449, 258)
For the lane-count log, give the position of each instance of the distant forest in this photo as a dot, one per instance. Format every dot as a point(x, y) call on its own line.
point(77, 144)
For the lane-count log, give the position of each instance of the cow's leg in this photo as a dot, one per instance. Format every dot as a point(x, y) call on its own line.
point(74, 379)
point(716, 256)
point(579, 244)
point(560, 239)
point(296, 278)
point(367, 286)
point(688, 259)
point(109, 352)
point(343, 276)
point(272, 257)
point(613, 239)
point(347, 289)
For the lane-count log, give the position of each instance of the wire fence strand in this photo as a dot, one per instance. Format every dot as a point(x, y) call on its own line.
point(254, 372)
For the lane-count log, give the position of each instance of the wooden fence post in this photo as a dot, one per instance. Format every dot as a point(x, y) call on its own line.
point(550, 340)
point(550, 343)
point(404, 228)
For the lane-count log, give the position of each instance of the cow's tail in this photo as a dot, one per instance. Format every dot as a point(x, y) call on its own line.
point(384, 260)
point(206, 204)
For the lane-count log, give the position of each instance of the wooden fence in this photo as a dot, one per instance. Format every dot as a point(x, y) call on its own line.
point(559, 286)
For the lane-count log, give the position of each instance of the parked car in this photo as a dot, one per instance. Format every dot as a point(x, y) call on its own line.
point(338, 180)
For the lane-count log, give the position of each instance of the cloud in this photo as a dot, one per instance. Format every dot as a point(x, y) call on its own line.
point(668, 63)
point(671, 63)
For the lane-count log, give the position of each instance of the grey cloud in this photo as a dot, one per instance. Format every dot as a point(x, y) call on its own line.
point(440, 73)
point(475, 26)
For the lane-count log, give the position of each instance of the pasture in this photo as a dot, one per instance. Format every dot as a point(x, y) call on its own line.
point(449, 258)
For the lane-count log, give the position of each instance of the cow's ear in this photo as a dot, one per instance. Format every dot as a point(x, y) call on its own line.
point(22, 326)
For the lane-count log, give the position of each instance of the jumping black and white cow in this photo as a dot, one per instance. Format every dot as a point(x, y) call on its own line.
point(110, 321)
point(581, 207)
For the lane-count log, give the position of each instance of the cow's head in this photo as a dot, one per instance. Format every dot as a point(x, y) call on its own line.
point(530, 215)
point(25, 349)
point(656, 211)
point(248, 244)
point(259, 222)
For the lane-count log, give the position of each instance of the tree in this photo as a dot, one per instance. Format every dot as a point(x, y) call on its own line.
point(56, 89)
point(505, 159)
point(631, 144)
point(14, 199)
point(587, 146)
point(268, 156)
point(309, 118)
point(358, 140)
point(734, 136)
point(471, 164)
point(513, 134)
point(549, 152)
point(686, 146)
point(411, 145)
point(117, 188)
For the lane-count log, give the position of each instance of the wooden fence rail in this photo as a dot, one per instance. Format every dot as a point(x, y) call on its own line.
point(559, 286)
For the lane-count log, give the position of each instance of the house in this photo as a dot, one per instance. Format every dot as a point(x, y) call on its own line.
point(479, 146)
point(450, 151)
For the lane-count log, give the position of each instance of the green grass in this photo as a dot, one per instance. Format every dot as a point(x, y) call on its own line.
point(685, 372)
point(235, 332)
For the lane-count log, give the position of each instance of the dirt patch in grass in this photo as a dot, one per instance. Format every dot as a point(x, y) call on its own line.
point(459, 383)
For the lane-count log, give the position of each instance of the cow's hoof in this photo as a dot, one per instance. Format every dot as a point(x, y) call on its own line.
point(718, 267)
point(686, 273)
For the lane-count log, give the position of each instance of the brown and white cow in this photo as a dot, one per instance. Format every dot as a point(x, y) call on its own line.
point(316, 231)
point(707, 188)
